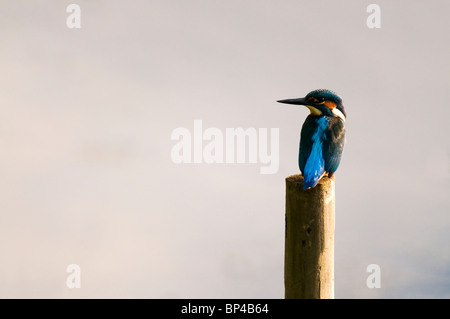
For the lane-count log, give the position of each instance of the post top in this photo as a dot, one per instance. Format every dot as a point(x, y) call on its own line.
point(298, 179)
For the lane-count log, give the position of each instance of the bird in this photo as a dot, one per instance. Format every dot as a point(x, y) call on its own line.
point(322, 137)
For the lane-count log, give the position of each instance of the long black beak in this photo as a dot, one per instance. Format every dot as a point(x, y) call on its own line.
point(299, 101)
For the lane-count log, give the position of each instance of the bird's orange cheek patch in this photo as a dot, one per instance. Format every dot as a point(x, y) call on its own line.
point(330, 105)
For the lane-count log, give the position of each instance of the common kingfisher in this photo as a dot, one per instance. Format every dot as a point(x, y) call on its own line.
point(322, 137)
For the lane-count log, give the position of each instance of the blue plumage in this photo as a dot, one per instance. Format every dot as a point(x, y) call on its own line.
point(314, 167)
point(322, 137)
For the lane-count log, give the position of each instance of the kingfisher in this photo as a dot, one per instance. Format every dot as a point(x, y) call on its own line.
point(322, 137)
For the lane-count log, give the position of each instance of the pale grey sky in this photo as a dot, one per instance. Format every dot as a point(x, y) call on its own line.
point(87, 116)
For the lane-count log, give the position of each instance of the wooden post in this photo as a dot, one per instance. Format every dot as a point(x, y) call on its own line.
point(309, 240)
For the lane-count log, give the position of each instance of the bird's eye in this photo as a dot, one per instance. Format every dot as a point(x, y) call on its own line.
point(316, 100)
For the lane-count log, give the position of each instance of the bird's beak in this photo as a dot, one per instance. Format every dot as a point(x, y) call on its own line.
point(302, 101)
point(299, 101)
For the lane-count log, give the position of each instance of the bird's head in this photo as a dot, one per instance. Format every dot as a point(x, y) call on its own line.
point(321, 102)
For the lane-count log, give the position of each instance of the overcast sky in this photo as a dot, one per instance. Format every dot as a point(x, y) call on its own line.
point(86, 120)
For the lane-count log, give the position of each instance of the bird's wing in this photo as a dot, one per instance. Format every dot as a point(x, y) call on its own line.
point(311, 160)
point(306, 142)
point(334, 145)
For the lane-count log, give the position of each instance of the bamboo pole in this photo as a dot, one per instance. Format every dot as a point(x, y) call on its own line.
point(309, 239)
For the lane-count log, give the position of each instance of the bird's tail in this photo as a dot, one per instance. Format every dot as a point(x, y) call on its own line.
point(314, 168)
point(312, 180)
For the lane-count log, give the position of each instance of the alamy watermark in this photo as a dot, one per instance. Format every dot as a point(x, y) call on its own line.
point(374, 19)
point(73, 21)
point(74, 279)
point(234, 145)
point(374, 279)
